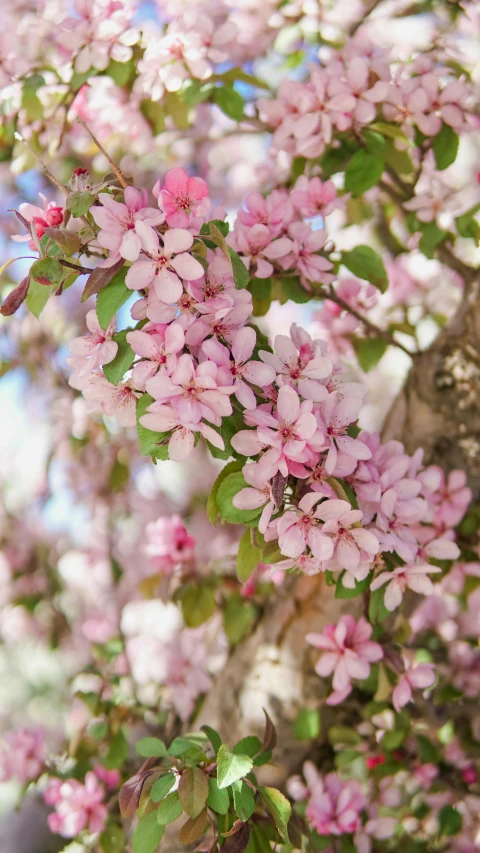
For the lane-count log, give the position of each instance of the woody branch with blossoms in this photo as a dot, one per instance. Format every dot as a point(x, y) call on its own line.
point(328, 514)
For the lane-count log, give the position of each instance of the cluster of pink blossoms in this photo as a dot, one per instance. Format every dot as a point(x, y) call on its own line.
point(23, 755)
point(352, 87)
point(80, 806)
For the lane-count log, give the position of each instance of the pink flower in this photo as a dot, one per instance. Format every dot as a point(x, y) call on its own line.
point(119, 223)
point(419, 675)
point(192, 391)
point(348, 653)
point(236, 371)
point(302, 367)
point(187, 676)
point(412, 577)
point(335, 805)
point(23, 755)
point(168, 543)
point(77, 806)
point(255, 245)
point(450, 494)
point(333, 417)
point(314, 197)
point(399, 509)
point(48, 216)
point(352, 544)
point(298, 529)
point(110, 778)
point(118, 400)
point(158, 347)
point(91, 351)
point(182, 197)
point(161, 270)
point(303, 254)
point(258, 494)
point(182, 441)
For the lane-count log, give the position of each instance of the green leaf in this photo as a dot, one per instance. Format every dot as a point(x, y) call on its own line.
point(445, 147)
point(391, 130)
point(342, 591)
point(230, 102)
point(307, 724)
point(193, 790)
point(112, 839)
point(248, 557)
point(227, 489)
point(117, 753)
point(369, 351)
point(181, 746)
point(363, 172)
point(37, 297)
point(467, 225)
point(249, 745)
point(398, 159)
point(432, 235)
point(169, 809)
point(449, 821)
point(393, 739)
point(31, 103)
point(238, 617)
point(112, 297)
point(222, 226)
point(121, 72)
point(66, 241)
point(218, 798)
point(243, 800)
point(213, 509)
point(162, 787)
point(241, 275)
point(99, 278)
point(279, 808)
point(375, 142)
point(115, 370)
point(47, 271)
point(231, 767)
point(377, 611)
point(198, 604)
point(213, 737)
point(177, 108)
point(193, 828)
point(365, 263)
point(293, 290)
point(79, 203)
point(151, 747)
point(426, 750)
point(150, 442)
point(148, 834)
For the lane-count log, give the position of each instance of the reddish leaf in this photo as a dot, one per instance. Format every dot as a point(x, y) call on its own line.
point(99, 278)
point(278, 488)
point(193, 828)
point(270, 736)
point(130, 793)
point(235, 828)
point(237, 843)
point(15, 298)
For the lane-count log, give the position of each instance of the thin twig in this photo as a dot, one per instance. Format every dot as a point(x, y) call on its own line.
point(381, 333)
point(76, 267)
point(371, 8)
point(48, 174)
point(100, 147)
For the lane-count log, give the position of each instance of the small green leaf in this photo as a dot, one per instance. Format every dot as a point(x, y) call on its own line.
point(248, 557)
point(342, 591)
point(241, 275)
point(112, 297)
point(117, 753)
point(79, 203)
point(151, 443)
point(218, 798)
point(445, 147)
point(213, 509)
point(47, 271)
point(249, 745)
point(198, 604)
point(193, 790)
point(307, 724)
point(365, 263)
point(432, 235)
point(112, 839)
point(391, 130)
point(449, 821)
point(363, 172)
point(115, 370)
point(169, 809)
point(369, 351)
point(37, 297)
point(467, 225)
point(213, 737)
point(151, 747)
point(230, 102)
point(238, 617)
point(222, 226)
point(243, 800)
point(231, 767)
point(162, 787)
point(377, 611)
point(227, 489)
point(147, 835)
point(279, 808)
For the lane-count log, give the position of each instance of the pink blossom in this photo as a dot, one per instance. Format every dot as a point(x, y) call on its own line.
point(257, 249)
point(91, 351)
point(119, 223)
point(187, 676)
point(335, 805)
point(298, 529)
point(182, 198)
point(303, 253)
point(162, 269)
point(412, 577)
point(348, 653)
point(419, 675)
point(302, 367)
point(240, 368)
point(77, 806)
point(193, 391)
point(110, 778)
point(258, 494)
point(352, 544)
point(275, 211)
point(333, 417)
point(399, 509)
point(314, 197)
point(449, 494)
point(22, 756)
point(48, 216)
point(158, 348)
point(168, 543)
point(118, 400)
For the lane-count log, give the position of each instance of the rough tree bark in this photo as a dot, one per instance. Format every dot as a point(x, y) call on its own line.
point(439, 410)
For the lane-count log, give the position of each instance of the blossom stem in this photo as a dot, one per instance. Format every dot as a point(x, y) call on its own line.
point(371, 327)
point(48, 174)
point(100, 147)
